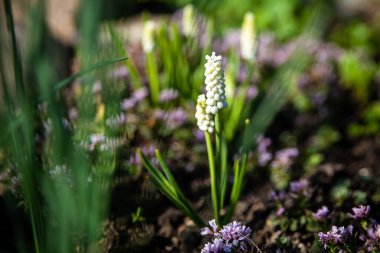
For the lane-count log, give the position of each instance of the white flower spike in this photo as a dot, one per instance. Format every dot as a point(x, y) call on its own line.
point(215, 86)
point(189, 21)
point(147, 38)
point(215, 99)
point(248, 37)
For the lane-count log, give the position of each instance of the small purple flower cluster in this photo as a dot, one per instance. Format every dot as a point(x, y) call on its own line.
point(299, 186)
point(173, 118)
point(366, 230)
point(284, 158)
point(233, 237)
point(321, 213)
point(360, 212)
point(288, 199)
point(264, 156)
point(372, 237)
point(149, 151)
point(135, 98)
point(335, 235)
point(168, 95)
point(252, 92)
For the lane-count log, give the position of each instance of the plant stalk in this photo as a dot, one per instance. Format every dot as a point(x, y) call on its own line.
point(214, 192)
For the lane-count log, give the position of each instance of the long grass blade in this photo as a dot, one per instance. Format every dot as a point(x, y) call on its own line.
point(96, 66)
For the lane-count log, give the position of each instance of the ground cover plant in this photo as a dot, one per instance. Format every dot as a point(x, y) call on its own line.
point(178, 126)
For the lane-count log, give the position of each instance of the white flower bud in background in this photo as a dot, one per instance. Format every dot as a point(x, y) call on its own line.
point(248, 37)
point(205, 121)
point(147, 38)
point(215, 86)
point(189, 27)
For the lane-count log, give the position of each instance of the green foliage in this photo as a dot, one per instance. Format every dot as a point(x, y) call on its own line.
point(356, 75)
point(370, 122)
point(356, 34)
point(341, 191)
point(65, 192)
point(166, 183)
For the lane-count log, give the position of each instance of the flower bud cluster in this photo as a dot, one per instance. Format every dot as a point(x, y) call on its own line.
point(205, 120)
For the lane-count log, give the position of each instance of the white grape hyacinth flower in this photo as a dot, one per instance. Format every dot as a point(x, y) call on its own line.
point(248, 37)
point(205, 121)
point(215, 85)
point(147, 37)
point(189, 21)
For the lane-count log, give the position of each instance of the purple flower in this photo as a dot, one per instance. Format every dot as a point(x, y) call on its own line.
point(265, 48)
point(277, 196)
point(140, 94)
point(173, 119)
point(251, 92)
point(135, 98)
point(120, 72)
point(213, 231)
point(235, 231)
point(263, 155)
point(321, 213)
point(217, 246)
point(233, 237)
point(284, 158)
point(335, 235)
point(199, 136)
point(299, 186)
point(372, 238)
point(149, 151)
point(168, 95)
point(360, 212)
point(128, 103)
point(280, 211)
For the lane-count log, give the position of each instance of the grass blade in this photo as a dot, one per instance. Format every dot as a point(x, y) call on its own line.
point(96, 66)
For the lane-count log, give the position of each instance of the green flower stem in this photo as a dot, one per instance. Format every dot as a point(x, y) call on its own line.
point(224, 172)
point(220, 159)
point(218, 135)
point(217, 159)
point(154, 83)
point(211, 161)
